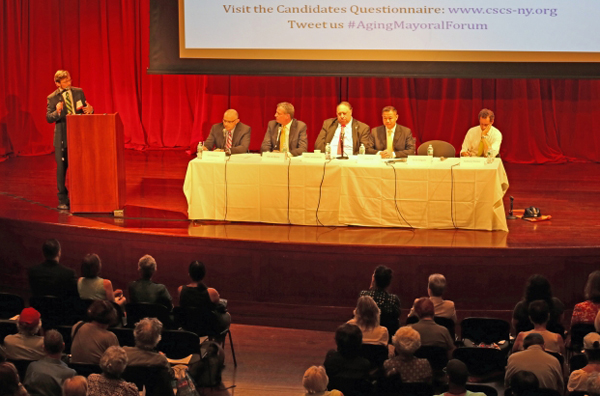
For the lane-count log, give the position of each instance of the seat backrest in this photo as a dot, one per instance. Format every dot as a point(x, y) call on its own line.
point(440, 149)
point(66, 331)
point(437, 356)
point(155, 379)
point(7, 327)
point(86, 369)
point(481, 361)
point(139, 311)
point(10, 305)
point(485, 330)
point(447, 323)
point(486, 389)
point(416, 389)
point(21, 366)
point(124, 335)
point(578, 331)
point(376, 354)
point(201, 321)
point(51, 308)
point(577, 362)
point(177, 344)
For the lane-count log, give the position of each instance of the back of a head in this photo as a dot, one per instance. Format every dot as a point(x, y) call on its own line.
point(367, 312)
point(315, 380)
point(424, 308)
point(53, 342)
point(591, 345)
point(147, 333)
point(539, 312)
point(29, 322)
point(75, 386)
point(197, 271)
point(523, 381)
point(348, 339)
point(533, 339)
point(147, 266)
point(592, 287)
point(437, 284)
point(383, 277)
point(457, 371)
point(113, 362)
point(51, 249)
point(538, 288)
point(9, 379)
point(90, 266)
point(406, 340)
point(102, 311)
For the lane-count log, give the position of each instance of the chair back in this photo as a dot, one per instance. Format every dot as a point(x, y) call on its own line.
point(485, 330)
point(86, 369)
point(124, 335)
point(375, 354)
point(447, 323)
point(577, 362)
point(578, 331)
point(177, 344)
point(52, 309)
point(156, 379)
point(66, 331)
point(440, 149)
point(437, 356)
point(10, 305)
point(390, 322)
point(201, 321)
point(481, 361)
point(7, 327)
point(486, 389)
point(416, 389)
point(139, 311)
point(412, 319)
point(21, 366)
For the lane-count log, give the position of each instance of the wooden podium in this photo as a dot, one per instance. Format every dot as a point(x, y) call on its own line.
point(96, 163)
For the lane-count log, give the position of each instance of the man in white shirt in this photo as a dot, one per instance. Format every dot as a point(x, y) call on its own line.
point(285, 133)
point(344, 133)
point(483, 138)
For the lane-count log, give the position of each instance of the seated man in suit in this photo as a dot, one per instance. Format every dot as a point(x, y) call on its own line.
point(51, 278)
point(333, 128)
point(285, 133)
point(391, 140)
point(231, 135)
point(482, 138)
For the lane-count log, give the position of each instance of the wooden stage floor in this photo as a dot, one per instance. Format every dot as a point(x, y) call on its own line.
point(278, 274)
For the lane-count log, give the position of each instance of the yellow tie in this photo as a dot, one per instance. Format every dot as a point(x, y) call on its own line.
point(69, 103)
point(283, 144)
point(390, 143)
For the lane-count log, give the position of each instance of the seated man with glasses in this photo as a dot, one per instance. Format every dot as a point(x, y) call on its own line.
point(231, 135)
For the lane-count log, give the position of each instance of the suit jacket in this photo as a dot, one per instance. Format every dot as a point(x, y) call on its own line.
point(404, 143)
point(298, 142)
point(239, 142)
point(52, 279)
point(60, 120)
point(360, 134)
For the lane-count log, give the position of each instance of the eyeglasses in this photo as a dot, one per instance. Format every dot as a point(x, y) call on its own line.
point(229, 122)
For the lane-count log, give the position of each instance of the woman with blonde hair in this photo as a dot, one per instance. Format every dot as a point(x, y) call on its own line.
point(411, 369)
point(366, 317)
point(315, 382)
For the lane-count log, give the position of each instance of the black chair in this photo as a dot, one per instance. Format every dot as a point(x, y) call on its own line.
point(416, 389)
point(437, 356)
point(486, 389)
point(177, 344)
point(481, 361)
point(52, 309)
point(21, 366)
point(447, 323)
point(139, 311)
point(578, 331)
point(7, 327)
point(375, 354)
point(485, 330)
point(440, 149)
point(156, 379)
point(558, 356)
point(577, 362)
point(65, 331)
point(390, 322)
point(124, 335)
point(10, 305)
point(350, 386)
point(412, 319)
point(86, 369)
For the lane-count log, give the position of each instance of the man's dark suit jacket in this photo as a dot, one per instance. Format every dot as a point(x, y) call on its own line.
point(404, 143)
point(240, 140)
point(298, 142)
point(60, 128)
point(52, 279)
point(360, 134)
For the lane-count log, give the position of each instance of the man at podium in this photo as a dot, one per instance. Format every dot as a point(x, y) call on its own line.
point(65, 100)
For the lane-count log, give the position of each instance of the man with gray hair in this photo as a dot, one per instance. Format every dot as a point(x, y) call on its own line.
point(436, 285)
point(285, 133)
point(26, 344)
point(144, 290)
point(147, 335)
point(231, 135)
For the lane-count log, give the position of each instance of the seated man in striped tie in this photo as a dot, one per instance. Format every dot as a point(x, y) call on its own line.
point(285, 133)
point(392, 140)
point(231, 135)
point(344, 133)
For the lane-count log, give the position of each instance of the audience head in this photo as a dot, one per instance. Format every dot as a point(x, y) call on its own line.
point(197, 271)
point(75, 386)
point(90, 266)
point(523, 381)
point(147, 333)
point(424, 308)
point(53, 342)
point(406, 340)
point(457, 371)
point(29, 322)
point(348, 339)
point(592, 287)
point(533, 339)
point(383, 277)
point(103, 312)
point(367, 313)
point(51, 249)
point(538, 288)
point(113, 362)
point(315, 380)
point(436, 285)
point(9, 379)
point(147, 266)
point(539, 312)
point(591, 345)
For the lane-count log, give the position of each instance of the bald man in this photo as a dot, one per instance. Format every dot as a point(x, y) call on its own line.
point(231, 135)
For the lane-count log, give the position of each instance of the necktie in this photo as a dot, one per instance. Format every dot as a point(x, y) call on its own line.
point(229, 141)
point(341, 142)
point(283, 144)
point(68, 103)
point(390, 143)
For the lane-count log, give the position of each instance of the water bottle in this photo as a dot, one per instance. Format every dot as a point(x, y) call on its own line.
point(200, 149)
point(361, 150)
point(489, 158)
point(430, 150)
point(328, 151)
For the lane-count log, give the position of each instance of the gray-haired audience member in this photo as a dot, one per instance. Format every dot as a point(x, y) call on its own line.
point(45, 376)
point(411, 369)
point(144, 290)
point(113, 364)
point(436, 286)
point(26, 344)
point(587, 379)
point(147, 335)
point(431, 333)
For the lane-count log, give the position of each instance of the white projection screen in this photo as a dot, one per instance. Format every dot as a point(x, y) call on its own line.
point(445, 38)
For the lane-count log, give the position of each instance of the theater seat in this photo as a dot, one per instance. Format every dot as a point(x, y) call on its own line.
point(440, 149)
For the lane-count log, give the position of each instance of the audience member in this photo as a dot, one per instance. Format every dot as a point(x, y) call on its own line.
point(91, 287)
point(366, 317)
point(45, 377)
point(51, 278)
point(523, 382)
point(10, 385)
point(458, 374)
point(538, 288)
point(147, 336)
point(75, 386)
point(431, 333)
point(347, 370)
point(27, 344)
point(145, 290)
point(587, 379)
point(112, 363)
point(436, 286)
point(539, 313)
point(90, 340)
point(411, 369)
point(196, 294)
point(586, 312)
point(315, 382)
point(535, 359)
point(389, 304)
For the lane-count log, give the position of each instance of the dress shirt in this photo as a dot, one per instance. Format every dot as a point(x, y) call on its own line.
point(473, 139)
point(348, 142)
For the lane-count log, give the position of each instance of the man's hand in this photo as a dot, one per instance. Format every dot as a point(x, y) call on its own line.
point(486, 130)
point(204, 148)
point(385, 154)
point(88, 109)
point(465, 154)
point(276, 151)
point(218, 150)
point(59, 107)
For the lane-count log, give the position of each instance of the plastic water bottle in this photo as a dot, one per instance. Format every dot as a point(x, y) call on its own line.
point(361, 150)
point(489, 158)
point(430, 150)
point(328, 151)
point(200, 149)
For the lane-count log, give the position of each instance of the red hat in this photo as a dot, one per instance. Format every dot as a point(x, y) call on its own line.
point(29, 316)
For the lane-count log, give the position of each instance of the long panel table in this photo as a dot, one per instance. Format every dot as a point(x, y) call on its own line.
point(337, 193)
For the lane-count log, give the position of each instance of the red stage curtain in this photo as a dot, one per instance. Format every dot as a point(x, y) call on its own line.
point(104, 44)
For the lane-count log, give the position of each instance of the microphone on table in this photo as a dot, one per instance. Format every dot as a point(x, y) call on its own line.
point(342, 136)
point(511, 216)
